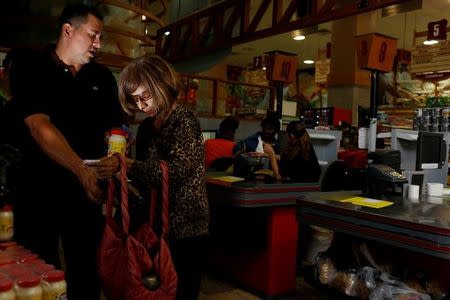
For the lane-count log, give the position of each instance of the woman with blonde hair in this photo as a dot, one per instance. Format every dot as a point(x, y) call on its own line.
point(173, 134)
point(299, 162)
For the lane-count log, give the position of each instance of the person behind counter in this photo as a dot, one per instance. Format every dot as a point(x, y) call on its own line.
point(68, 105)
point(223, 145)
point(263, 143)
point(150, 84)
point(299, 161)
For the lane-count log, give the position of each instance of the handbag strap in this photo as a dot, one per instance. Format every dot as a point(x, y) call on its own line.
point(165, 200)
point(123, 194)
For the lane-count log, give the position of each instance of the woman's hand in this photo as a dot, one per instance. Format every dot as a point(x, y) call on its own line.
point(107, 167)
point(268, 149)
point(257, 154)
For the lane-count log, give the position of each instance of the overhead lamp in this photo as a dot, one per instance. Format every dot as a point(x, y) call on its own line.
point(430, 42)
point(308, 61)
point(297, 35)
point(167, 32)
point(143, 18)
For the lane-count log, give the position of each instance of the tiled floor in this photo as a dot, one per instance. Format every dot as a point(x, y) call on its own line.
point(217, 289)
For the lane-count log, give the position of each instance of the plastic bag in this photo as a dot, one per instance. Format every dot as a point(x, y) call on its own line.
point(396, 291)
point(325, 271)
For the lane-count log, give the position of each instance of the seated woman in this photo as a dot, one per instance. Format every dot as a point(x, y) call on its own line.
point(263, 143)
point(299, 161)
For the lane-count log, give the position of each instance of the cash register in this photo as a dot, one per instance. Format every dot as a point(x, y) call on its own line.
point(383, 180)
point(386, 178)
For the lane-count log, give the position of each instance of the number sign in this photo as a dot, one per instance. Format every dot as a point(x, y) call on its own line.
point(281, 66)
point(376, 52)
point(437, 30)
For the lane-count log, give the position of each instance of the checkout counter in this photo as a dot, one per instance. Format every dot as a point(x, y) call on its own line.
point(423, 228)
point(254, 232)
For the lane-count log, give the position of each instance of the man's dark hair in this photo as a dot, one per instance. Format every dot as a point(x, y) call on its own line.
point(77, 12)
point(271, 121)
point(229, 123)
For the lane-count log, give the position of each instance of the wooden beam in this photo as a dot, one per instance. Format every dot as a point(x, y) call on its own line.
point(206, 30)
point(218, 29)
point(228, 30)
point(135, 9)
point(245, 16)
point(327, 6)
point(277, 11)
point(282, 23)
point(195, 29)
point(259, 15)
point(290, 10)
point(128, 33)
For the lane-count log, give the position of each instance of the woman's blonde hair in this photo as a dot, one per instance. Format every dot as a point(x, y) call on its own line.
point(156, 76)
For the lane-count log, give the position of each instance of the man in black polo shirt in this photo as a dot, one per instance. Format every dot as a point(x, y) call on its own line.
point(68, 106)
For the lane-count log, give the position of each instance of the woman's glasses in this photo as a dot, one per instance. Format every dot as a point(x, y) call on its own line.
point(142, 97)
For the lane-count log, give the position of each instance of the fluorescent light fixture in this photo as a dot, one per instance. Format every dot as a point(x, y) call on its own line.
point(264, 68)
point(308, 61)
point(143, 18)
point(430, 42)
point(167, 32)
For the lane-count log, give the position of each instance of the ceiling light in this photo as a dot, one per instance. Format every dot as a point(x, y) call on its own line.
point(264, 68)
point(430, 42)
point(299, 37)
point(308, 61)
point(143, 18)
point(167, 32)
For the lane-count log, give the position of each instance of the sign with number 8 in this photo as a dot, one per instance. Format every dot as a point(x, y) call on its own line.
point(376, 52)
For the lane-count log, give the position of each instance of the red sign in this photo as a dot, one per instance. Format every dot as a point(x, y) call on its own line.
point(437, 30)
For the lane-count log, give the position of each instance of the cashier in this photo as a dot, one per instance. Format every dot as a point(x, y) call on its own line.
point(263, 143)
point(299, 161)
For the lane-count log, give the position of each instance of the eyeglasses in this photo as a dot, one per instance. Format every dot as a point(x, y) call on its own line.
point(142, 97)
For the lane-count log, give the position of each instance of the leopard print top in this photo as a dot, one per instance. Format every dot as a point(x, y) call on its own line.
point(179, 142)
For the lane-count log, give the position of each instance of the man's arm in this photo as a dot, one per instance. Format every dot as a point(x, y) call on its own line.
point(55, 146)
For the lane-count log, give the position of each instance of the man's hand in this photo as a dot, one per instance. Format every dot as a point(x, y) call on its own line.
point(88, 179)
point(107, 167)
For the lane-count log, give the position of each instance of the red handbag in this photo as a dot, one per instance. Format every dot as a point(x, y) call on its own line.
point(136, 266)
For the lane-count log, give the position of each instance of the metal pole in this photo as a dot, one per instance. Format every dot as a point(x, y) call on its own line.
point(279, 87)
point(372, 136)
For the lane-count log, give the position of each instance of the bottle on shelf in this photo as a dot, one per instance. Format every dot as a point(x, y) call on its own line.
point(28, 287)
point(6, 289)
point(54, 285)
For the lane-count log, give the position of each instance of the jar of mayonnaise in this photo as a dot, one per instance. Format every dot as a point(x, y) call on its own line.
point(54, 286)
point(7, 289)
point(28, 288)
point(117, 142)
point(6, 223)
